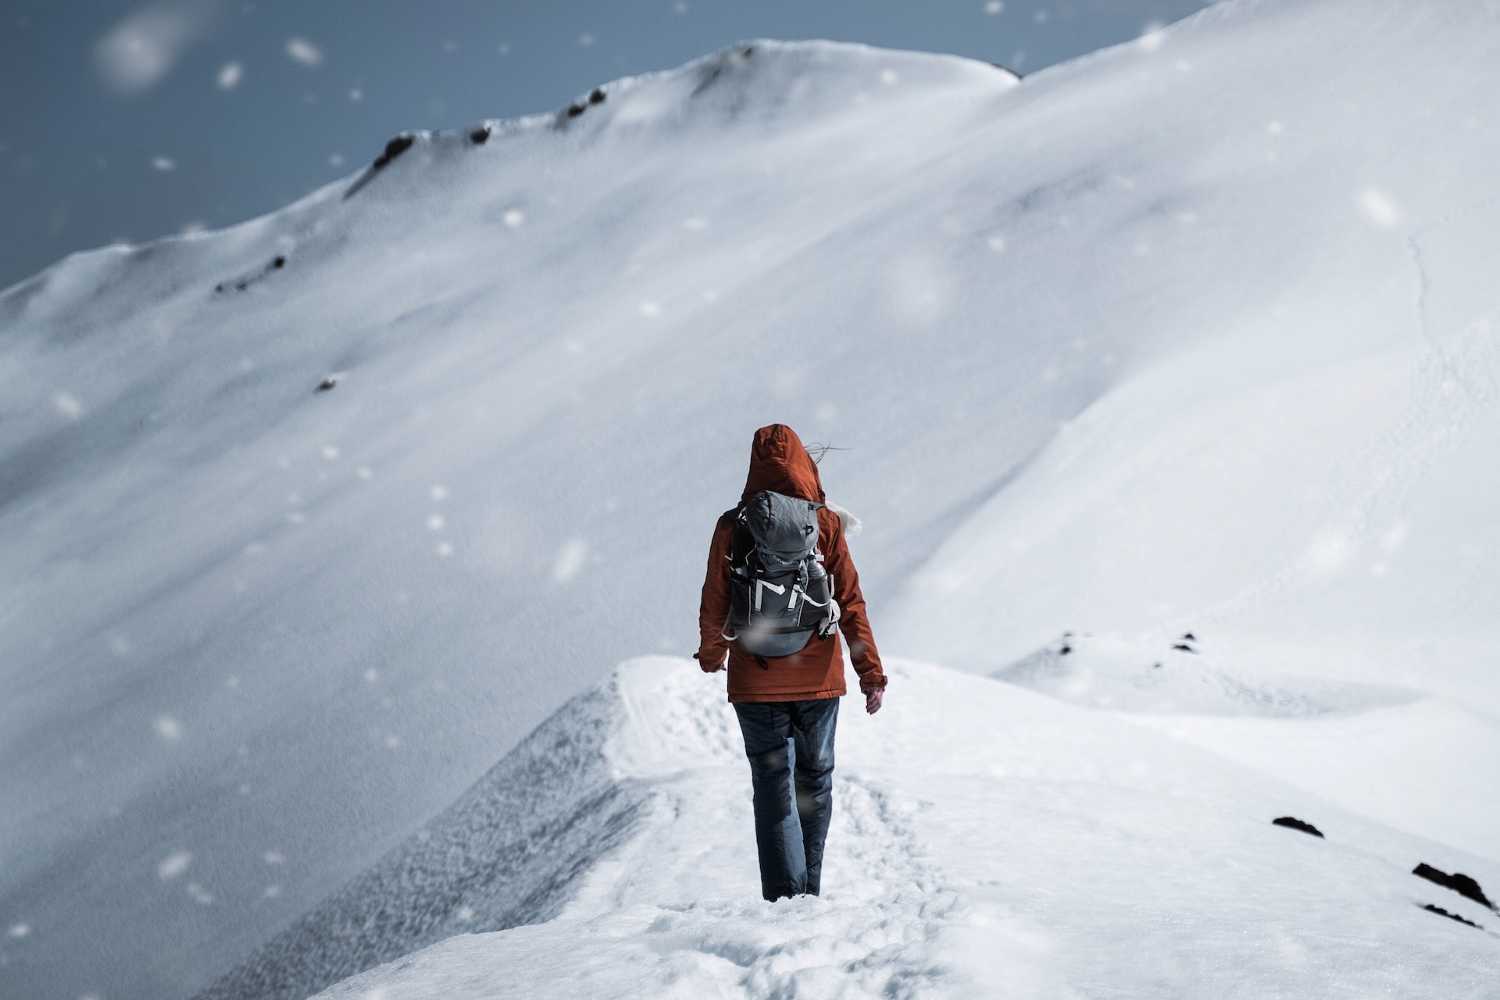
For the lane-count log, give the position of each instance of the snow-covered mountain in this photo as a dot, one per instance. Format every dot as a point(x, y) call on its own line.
point(1193, 335)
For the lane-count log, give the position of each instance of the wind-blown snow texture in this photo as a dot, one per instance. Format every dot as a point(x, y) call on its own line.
point(1191, 335)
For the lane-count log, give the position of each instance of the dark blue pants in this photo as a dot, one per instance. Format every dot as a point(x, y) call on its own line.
point(790, 746)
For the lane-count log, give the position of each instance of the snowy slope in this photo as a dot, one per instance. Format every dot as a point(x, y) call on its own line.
point(1191, 334)
point(1042, 851)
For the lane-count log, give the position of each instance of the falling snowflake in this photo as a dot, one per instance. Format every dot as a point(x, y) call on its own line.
point(695, 223)
point(165, 164)
point(273, 858)
point(570, 559)
point(19, 931)
point(515, 218)
point(1329, 552)
point(143, 46)
point(435, 522)
point(168, 728)
point(199, 895)
point(365, 472)
point(503, 48)
point(889, 77)
point(303, 51)
point(993, 7)
point(680, 7)
point(173, 865)
point(1274, 127)
point(585, 40)
point(392, 741)
point(230, 75)
point(996, 243)
point(1152, 37)
point(439, 492)
point(335, 160)
point(1379, 208)
point(272, 892)
point(443, 549)
point(356, 94)
point(67, 404)
point(371, 675)
point(650, 309)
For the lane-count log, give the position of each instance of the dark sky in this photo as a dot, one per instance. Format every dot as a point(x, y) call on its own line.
point(128, 120)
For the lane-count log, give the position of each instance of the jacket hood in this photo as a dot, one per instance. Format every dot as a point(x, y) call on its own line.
point(779, 462)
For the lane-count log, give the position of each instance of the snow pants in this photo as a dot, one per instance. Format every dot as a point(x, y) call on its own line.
point(790, 746)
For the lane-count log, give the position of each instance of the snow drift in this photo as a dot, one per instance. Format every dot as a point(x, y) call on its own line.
point(1000, 859)
point(1194, 334)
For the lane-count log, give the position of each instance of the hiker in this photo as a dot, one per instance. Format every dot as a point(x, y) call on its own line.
point(779, 588)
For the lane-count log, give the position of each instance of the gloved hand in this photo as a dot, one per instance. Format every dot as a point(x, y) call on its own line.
point(709, 668)
point(831, 622)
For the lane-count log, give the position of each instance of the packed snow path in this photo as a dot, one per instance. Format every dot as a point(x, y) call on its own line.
point(986, 841)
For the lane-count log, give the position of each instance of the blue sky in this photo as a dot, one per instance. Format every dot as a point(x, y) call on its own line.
point(129, 120)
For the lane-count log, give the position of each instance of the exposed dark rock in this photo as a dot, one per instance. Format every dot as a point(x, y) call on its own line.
point(394, 148)
point(1183, 647)
point(748, 51)
point(397, 145)
point(1189, 637)
point(328, 383)
point(1156, 665)
point(479, 135)
point(1451, 916)
point(576, 108)
point(597, 95)
point(1065, 650)
point(1293, 823)
point(1460, 883)
point(245, 281)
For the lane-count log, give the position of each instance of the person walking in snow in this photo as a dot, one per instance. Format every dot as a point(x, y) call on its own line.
point(780, 587)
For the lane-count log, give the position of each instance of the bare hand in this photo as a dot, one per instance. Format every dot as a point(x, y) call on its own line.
point(873, 700)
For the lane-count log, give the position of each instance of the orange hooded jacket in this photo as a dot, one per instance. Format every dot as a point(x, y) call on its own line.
point(779, 462)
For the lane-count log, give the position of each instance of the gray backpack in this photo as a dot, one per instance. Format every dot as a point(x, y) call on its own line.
point(780, 595)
